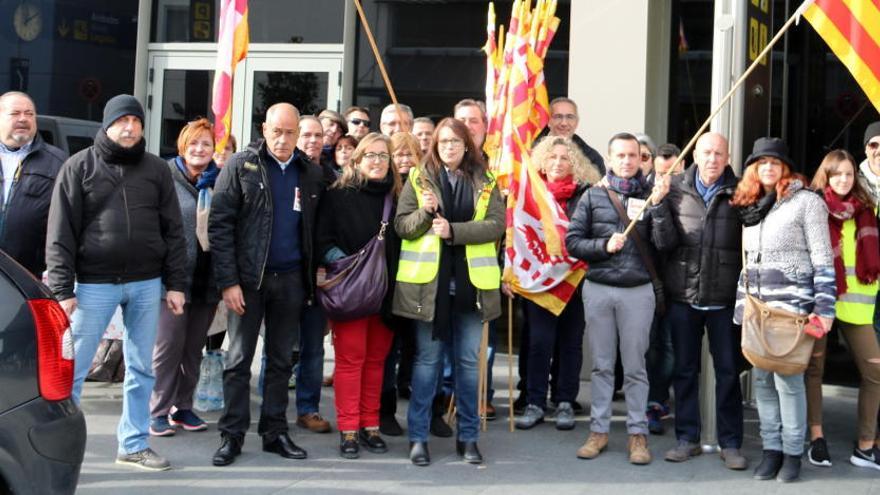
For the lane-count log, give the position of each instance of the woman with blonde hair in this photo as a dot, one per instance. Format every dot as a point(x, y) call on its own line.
point(405, 154)
point(567, 173)
point(351, 216)
point(852, 224)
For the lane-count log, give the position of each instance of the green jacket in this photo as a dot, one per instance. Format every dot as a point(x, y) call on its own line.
point(416, 301)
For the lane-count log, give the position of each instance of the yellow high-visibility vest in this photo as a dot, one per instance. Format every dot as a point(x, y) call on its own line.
point(856, 306)
point(420, 258)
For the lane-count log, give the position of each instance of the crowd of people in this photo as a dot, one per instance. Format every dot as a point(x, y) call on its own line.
point(258, 232)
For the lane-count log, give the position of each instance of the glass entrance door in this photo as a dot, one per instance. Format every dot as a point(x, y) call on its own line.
point(181, 84)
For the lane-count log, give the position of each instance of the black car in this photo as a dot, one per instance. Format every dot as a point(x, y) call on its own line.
point(42, 431)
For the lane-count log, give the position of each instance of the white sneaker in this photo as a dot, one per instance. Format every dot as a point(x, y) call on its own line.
point(869, 458)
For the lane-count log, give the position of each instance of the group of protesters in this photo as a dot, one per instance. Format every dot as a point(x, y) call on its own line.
point(169, 240)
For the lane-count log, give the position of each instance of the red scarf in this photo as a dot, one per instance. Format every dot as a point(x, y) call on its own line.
point(867, 244)
point(562, 190)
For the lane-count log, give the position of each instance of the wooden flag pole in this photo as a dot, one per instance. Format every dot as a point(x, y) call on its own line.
point(360, 9)
point(739, 82)
point(510, 361)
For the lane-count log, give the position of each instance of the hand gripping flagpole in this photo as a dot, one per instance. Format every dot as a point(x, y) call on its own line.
point(687, 149)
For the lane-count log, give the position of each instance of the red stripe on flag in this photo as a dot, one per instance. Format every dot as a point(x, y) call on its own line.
point(851, 29)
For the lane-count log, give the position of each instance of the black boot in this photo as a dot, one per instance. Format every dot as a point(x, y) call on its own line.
point(439, 428)
point(469, 452)
point(418, 453)
point(769, 466)
point(348, 444)
point(388, 424)
point(791, 469)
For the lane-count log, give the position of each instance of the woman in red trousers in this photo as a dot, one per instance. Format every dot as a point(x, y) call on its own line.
point(351, 216)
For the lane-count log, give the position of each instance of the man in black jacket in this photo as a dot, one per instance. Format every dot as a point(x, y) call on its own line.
point(29, 169)
point(115, 235)
point(700, 277)
point(261, 230)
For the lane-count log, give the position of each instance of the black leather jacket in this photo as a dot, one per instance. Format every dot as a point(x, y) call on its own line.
point(240, 223)
point(704, 268)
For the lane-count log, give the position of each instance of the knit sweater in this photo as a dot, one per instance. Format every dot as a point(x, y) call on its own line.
point(789, 260)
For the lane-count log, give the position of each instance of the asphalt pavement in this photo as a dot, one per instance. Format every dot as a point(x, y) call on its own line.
point(537, 461)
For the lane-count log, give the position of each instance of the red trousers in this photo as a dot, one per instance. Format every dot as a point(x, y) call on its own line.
point(361, 347)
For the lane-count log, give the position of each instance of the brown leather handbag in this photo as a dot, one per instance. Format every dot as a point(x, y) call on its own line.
point(773, 339)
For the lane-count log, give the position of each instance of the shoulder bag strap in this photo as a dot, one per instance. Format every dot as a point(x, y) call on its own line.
point(637, 239)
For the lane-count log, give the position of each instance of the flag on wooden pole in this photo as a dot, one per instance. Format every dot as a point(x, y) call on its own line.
point(852, 30)
point(536, 263)
point(232, 47)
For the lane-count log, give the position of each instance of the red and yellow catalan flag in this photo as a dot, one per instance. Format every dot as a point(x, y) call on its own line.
point(232, 47)
point(852, 30)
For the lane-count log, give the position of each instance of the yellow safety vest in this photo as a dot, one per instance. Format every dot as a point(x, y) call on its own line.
point(856, 306)
point(420, 258)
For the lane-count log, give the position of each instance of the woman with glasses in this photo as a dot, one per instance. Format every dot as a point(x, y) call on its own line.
point(450, 218)
point(342, 153)
point(405, 154)
point(646, 153)
point(350, 217)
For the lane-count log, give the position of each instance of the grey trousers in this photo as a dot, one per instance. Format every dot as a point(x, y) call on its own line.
point(178, 354)
point(624, 315)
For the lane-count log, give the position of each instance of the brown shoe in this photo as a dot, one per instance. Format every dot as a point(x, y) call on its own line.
point(638, 450)
point(733, 459)
point(490, 413)
point(313, 422)
point(594, 445)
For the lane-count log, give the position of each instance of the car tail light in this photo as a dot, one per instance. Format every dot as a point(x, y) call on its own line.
point(54, 349)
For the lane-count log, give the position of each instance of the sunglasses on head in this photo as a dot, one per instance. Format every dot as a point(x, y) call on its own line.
point(359, 122)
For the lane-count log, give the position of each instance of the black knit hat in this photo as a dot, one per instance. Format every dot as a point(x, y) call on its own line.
point(772, 147)
point(872, 131)
point(119, 106)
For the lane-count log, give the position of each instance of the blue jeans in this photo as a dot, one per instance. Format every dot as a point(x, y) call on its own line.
point(311, 359)
point(96, 304)
point(448, 378)
point(465, 344)
point(782, 408)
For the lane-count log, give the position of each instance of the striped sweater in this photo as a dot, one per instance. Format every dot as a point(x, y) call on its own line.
point(788, 257)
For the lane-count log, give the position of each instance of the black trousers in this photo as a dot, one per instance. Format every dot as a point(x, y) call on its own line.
point(280, 302)
point(687, 326)
point(546, 333)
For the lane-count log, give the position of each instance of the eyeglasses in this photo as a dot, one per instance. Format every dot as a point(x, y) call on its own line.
point(373, 157)
point(873, 145)
point(359, 122)
point(564, 116)
point(646, 157)
point(450, 143)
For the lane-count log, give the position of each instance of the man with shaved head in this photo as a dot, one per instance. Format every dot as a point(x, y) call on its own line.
point(700, 277)
point(261, 230)
point(29, 169)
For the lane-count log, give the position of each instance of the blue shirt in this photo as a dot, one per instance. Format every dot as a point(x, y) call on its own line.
point(285, 245)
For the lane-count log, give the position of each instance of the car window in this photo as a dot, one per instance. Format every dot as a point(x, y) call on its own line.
point(78, 143)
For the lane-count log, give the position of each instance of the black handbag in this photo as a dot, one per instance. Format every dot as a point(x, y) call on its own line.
point(354, 286)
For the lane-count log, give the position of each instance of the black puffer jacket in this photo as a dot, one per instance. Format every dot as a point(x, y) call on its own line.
point(114, 218)
point(240, 224)
point(595, 220)
point(24, 229)
point(704, 268)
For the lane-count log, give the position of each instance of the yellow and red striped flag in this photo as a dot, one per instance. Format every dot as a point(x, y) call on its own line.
point(232, 47)
point(852, 30)
point(536, 263)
